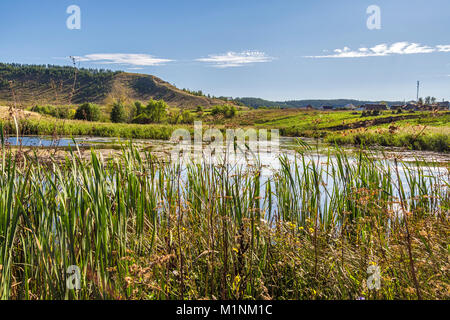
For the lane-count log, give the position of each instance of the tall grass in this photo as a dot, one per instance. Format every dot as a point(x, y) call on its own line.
point(86, 128)
point(435, 140)
point(141, 229)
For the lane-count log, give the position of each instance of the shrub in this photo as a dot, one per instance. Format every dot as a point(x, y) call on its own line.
point(174, 118)
point(226, 110)
point(131, 112)
point(57, 112)
point(142, 119)
point(88, 111)
point(186, 117)
point(118, 113)
point(139, 107)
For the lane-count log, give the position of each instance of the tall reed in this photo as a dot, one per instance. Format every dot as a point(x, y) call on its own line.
point(139, 228)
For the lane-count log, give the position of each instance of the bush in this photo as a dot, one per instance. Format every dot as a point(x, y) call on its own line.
point(139, 107)
point(131, 112)
point(118, 113)
point(186, 117)
point(225, 110)
point(88, 111)
point(174, 118)
point(57, 112)
point(142, 119)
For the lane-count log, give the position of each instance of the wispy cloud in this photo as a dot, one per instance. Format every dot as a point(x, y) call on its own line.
point(383, 50)
point(236, 59)
point(142, 60)
point(443, 48)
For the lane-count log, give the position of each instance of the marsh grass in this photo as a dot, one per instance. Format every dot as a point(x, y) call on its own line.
point(411, 137)
point(141, 229)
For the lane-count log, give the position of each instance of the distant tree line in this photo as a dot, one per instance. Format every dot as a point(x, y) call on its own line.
point(94, 82)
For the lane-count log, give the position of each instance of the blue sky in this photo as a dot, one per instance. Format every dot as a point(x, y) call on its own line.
point(273, 49)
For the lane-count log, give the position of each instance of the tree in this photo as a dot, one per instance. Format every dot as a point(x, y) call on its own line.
point(131, 112)
point(88, 111)
point(226, 110)
point(118, 113)
point(139, 107)
point(156, 110)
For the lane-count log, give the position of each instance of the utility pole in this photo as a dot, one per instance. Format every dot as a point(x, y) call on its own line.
point(418, 87)
point(74, 61)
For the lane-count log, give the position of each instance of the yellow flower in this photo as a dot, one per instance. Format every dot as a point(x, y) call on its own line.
point(235, 249)
point(311, 230)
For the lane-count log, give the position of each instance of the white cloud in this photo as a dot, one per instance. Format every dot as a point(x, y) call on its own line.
point(235, 59)
point(383, 50)
point(444, 48)
point(124, 58)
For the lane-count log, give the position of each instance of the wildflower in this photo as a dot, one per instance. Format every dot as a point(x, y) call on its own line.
point(128, 280)
point(423, 233)
point(236, 250)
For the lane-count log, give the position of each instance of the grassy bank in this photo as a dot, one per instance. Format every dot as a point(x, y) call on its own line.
point(418, 138)
point(84, 128)
point(338, 127)
point(140, 229)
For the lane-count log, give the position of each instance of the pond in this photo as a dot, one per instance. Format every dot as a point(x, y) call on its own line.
point(318, 156)
point(287, 146)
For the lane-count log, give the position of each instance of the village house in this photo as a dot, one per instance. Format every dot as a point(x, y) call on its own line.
point(444, 105)
point(411, 107)
point(372, 107)
point(426, 107)
point(350, 106)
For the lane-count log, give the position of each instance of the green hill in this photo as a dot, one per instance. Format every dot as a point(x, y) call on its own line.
point(257, 103)
point(59, 85)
